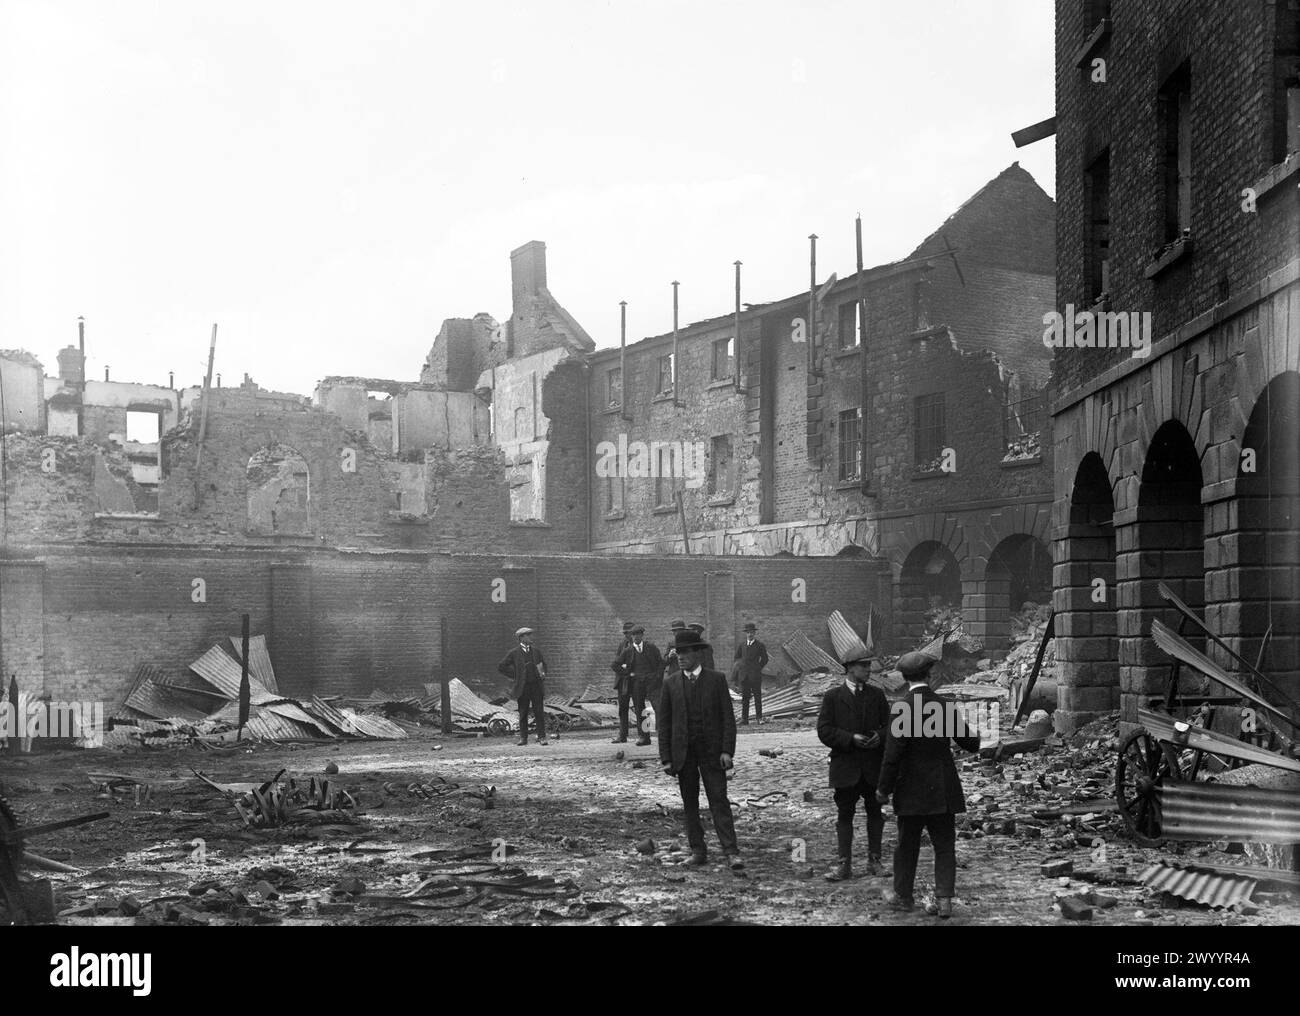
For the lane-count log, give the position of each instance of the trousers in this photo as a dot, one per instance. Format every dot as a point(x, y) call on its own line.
point(748, 688)
point(943, 836)
point(714, 778)
point(846, 801)
point(532, 696)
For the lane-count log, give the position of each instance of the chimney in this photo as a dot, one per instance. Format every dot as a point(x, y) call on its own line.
point(72, 367)
point(527, 273)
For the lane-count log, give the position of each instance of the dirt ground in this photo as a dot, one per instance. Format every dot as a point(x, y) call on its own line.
point(558, 844)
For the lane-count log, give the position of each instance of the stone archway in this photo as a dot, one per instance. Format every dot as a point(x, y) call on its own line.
point(1162, 542)
point(1019, 570)
point(1262, 580)
point(1085, 598)
point(930, 573)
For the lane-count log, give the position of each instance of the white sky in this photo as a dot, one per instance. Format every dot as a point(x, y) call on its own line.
point(329, 181)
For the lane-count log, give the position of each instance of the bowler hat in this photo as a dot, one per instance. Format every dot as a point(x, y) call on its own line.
point(627, 626)
point(751, 626)
point(685, 639)
point(696, 627)
point(914, 665)
point(638, 630)
point(678, 624)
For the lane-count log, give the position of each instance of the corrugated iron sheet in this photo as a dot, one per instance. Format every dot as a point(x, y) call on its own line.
point(1200, 885)
point(1161, 727)
point(370, 725)
point(808, 656)
point(265, 725)
point(326, 713)
point(158, 701)
point(1204, 811)
point(848, 644)
point(593, 694)
point(219, 670)
point(259, 660)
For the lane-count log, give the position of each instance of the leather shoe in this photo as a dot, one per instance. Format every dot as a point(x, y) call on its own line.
point(643, 742)
point(697, 860)
point(735, 863)
point(543, 741)
point(945, 907)
point(843, 871)
point(520, 742)
point(619, 740)
point(873, 865)
point(900, 903)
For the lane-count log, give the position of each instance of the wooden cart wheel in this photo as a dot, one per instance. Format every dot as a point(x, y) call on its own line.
point(1143, 766)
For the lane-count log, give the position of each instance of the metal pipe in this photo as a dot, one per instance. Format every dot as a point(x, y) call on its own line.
point(622, 360)
point(864, 424)
point(676, 402)
point(812, 304)
point(736, 344)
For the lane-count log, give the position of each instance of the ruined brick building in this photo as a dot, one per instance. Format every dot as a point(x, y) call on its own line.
point(1178, 125)
point(393, 532)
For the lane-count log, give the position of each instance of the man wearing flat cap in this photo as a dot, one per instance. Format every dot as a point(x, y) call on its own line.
point(751, 658)
point(919, 771)
point(697, 739)
point(525, 666)
point(638, 671)
point(852, 725)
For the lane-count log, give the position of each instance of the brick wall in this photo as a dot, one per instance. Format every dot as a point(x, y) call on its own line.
point(342, 623)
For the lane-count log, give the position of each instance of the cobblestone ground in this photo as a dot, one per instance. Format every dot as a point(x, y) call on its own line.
point(569, 811)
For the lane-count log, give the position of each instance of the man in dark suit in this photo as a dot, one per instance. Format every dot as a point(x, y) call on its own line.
point(525, 666)
point(640, 670)
point(919, 771)
point(852, 725)
point(697, 739)
point(707, 659)
point(751, 655)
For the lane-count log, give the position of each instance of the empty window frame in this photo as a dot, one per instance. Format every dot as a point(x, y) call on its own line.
point(929, 431)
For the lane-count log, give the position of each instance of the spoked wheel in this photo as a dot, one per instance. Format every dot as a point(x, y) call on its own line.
point(1144, 766)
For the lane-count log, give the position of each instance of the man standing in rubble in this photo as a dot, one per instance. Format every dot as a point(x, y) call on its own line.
point(639, 671)
point(919, 771)
point(671, 658)
point(697, 739)
point(852, 725)
point(525, 666)
point(751, 656)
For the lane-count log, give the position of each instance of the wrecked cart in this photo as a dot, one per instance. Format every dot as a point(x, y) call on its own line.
point(1165, 774)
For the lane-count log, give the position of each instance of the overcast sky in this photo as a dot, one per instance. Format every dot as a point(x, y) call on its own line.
point(327, 181)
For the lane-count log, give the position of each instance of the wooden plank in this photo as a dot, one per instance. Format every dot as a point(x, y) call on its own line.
point(1034, 132)
point(1161, 727)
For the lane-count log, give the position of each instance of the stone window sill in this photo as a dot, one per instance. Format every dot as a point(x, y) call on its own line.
point(1277, 175)
point(664, 509)
point(399, 519)
point(529, 524)
point(1093, 43)
point(1036, 460)
point(127, 516)
point(664, 397)
point(931, 474)
point(930, 333)
point(855, 484)
point(1100, 305)
point(615, 516)
point(612, 411)
point(844, 353)
point(720, 502)
point(1170, 255)
point(718, 384)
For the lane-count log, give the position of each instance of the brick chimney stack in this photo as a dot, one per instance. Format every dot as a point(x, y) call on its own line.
point(527, 273)
point(72, 366)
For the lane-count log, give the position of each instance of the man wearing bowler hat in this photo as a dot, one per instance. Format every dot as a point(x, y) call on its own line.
point(697, 739)
point(698, 628)
point(525, 666)
point(751, 658)
point(852, 725)
point(919, 771)
point(639, 671)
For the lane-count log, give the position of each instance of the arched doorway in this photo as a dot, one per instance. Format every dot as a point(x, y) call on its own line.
point(1266, 573)
point(1085, 599)
point(1165, 543)
point(1019, 572)
point(931, 577)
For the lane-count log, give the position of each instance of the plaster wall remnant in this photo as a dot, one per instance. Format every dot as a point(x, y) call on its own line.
point(22, 382)
point(279, 492)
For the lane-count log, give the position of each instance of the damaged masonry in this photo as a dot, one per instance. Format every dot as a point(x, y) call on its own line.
point(357, 657)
